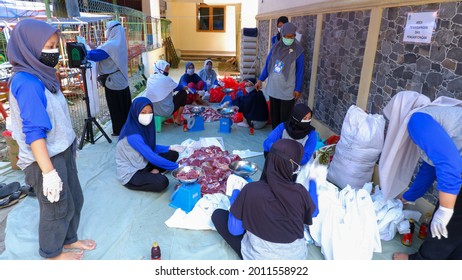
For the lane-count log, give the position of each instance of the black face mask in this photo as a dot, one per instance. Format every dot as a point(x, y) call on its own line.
point(49, 59)
point(165, 73)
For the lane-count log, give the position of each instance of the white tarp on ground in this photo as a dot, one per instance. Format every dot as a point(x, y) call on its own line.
point(125, 223)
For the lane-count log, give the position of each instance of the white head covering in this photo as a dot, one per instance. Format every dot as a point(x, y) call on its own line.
point(160, 66)
point(400, 155)
point(116, 46)
point(159, 86)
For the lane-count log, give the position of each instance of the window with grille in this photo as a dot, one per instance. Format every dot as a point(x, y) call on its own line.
point(210, 18)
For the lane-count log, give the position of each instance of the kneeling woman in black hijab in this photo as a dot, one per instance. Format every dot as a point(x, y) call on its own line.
point(266, 219)
point(298, 128)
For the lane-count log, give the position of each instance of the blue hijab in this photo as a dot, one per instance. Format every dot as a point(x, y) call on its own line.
point(194, 78)
point(133, 126)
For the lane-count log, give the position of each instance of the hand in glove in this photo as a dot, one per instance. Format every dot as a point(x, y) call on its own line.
point(52, 185)
point(234, 182)
point(440, 221)
point(177, 148)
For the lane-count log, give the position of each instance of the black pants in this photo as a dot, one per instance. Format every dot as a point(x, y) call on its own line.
point(220, 221)
point(118, 102)
point(445, 248)
point(144, 180)
point(179, 99)
point(59, 220)
point(280, 110)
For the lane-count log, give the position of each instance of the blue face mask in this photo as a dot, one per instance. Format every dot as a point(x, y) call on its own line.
point(287, 41)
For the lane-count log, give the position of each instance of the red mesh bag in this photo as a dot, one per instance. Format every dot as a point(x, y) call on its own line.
point(216, 95)
point(238, 117)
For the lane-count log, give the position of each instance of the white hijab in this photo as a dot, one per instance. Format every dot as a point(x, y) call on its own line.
point(400, 154)
point(116, 46)
point(159, 86)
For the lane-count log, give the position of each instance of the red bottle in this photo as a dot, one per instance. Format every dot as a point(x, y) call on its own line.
point(185, 125)
point(423, 229)
point(407, 237)
point(155, 251)
point(251, 130)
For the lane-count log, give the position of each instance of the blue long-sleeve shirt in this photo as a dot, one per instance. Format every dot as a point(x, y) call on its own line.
point(97, 55)
point(151, 155)
point(299, 70)
point(234, 224)
point(29, 92)
point(276, 135)
point(435, 142)
point(184, 83)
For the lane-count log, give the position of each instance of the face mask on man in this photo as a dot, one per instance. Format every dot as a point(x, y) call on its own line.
point(190, 72)
point(145, 119)
point(49, 57)
point(287, 41)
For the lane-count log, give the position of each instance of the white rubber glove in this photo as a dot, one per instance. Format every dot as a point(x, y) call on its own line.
point(52, 185)
point(177, 148)
point(440, 221)
point(234, 182)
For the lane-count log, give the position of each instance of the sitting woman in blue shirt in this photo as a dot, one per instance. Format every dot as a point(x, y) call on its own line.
point(298, 128)
point(140, 161)
point(267, 218)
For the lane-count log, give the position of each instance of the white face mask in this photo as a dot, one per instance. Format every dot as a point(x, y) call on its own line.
point(190, 72)
point(279, 29)
point(306, 121)
point(145, 119)
point(249, 89)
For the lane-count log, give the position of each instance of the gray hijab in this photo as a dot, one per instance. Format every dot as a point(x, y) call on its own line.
point(116, 46)
point(286, 54)
point(25, 47)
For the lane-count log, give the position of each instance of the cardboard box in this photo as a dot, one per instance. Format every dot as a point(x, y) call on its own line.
point(13, 149)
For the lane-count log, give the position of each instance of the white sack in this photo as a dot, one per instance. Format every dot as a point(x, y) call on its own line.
point(358, 149)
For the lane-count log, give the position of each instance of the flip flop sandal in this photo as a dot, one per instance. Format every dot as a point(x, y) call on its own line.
point(7, 202)
point(26, 190)
point(6, 190)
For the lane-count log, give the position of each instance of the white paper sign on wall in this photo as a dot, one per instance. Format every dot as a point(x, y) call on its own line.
point(419, 27)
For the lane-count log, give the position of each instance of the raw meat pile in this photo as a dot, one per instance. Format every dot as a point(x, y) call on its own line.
point(187, 175)
point(209, 114)
point(215, 171)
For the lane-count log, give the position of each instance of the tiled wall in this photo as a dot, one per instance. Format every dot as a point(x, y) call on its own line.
point(433, 69)
point(263, 29)
point(306, 25)
point(340, 61)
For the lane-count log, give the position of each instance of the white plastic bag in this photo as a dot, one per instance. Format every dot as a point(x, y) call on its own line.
point(358, 149)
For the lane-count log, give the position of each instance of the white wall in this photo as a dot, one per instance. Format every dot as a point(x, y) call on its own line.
point(149, 58)
point(268, 6)
point(249, 9)
point(186, 38)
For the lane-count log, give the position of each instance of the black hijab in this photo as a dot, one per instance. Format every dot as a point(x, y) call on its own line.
point(282, 19)
point(276, 208)
point(295, 128)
